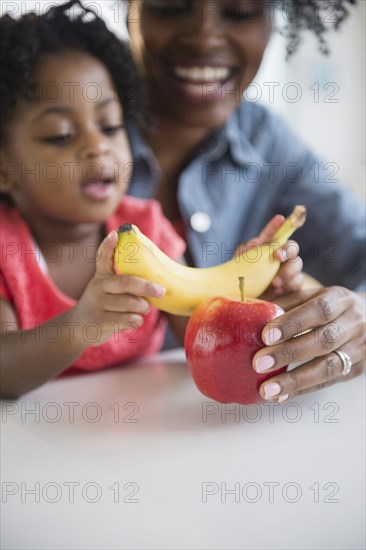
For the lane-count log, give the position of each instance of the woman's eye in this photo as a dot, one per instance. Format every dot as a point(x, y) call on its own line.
point(112, 130)
point(169, 8)
point(250, 15)
point(56, 139)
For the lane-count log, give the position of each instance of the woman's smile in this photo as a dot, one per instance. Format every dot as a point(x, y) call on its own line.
point(201, 74)
point(201, 82)
point(199, 60)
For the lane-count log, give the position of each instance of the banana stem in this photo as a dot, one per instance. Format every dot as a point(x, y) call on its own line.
point(295, 220)
point(241, 288)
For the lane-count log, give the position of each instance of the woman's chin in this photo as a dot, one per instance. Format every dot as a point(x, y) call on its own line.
point(203, 116)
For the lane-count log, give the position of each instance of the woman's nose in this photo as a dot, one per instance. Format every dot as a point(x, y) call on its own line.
point(205, 30)
point(93, 144)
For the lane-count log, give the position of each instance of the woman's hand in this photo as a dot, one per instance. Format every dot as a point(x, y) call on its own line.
point(289, 277)
point(113, 302)
point(316, 323)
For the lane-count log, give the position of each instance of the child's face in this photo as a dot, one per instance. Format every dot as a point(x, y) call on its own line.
point(200, 55)
point(66, 156)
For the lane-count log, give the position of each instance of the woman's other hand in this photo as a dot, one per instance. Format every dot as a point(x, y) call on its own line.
point(289, 277)
point(316, 324)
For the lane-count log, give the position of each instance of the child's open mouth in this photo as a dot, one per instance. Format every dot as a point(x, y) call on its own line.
point(98, 190)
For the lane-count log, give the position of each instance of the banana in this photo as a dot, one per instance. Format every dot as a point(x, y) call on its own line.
point(186, 287)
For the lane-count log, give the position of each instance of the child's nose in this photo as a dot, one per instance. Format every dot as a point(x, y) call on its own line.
point(93, 144)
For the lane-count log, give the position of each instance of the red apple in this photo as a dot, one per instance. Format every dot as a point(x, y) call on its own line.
point(222, 337)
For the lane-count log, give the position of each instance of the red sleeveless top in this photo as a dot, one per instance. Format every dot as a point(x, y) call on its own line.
point(25, 283)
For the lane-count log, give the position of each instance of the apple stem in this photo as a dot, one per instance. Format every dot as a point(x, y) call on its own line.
point(241, 288)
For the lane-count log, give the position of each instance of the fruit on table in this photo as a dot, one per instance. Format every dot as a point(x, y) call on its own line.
point(222, 337)
point(186, 287)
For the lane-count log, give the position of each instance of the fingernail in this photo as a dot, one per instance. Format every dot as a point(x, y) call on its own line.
point(281, 255)
point(272, 336)
point(283, 398)
point(270, 390)
point(284, 256)
point(159, 290)
point(264, 363)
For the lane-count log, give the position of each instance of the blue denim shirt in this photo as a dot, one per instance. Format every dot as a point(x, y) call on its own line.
point(249, 170)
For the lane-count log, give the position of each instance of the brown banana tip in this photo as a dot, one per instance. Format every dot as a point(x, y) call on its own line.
point(124, 228)
point(298, 215)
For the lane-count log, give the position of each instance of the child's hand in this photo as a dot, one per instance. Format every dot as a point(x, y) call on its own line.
point(112, 302)
point(289, 277)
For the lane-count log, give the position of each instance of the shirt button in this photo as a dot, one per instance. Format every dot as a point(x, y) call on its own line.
point(200, 222)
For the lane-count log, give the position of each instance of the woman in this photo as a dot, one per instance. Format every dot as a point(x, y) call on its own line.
point(222, 167)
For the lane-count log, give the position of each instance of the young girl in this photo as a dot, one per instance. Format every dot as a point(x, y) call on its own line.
point(68, 85)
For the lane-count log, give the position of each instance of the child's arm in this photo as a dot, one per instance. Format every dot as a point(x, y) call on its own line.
point(29, 358)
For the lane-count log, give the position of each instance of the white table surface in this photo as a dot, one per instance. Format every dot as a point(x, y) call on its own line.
point(136, 457)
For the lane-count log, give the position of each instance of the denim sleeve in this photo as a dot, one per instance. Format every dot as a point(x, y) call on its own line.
point(332, 241)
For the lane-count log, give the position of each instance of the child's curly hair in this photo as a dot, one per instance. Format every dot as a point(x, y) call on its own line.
point(25, 40)
point(318, 16)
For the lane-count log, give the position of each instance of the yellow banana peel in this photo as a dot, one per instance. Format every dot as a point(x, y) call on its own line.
point(186, 287)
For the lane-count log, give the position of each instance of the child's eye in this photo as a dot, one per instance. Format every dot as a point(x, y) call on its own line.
point(57, 139)
point(112, 130)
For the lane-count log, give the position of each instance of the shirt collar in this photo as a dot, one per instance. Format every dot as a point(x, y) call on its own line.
point(232, 137)
point(229, 137)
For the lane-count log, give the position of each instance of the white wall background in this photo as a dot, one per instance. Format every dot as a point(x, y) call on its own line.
point(330, 115)
point(321, 97)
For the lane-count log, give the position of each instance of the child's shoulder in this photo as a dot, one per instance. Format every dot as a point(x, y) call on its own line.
point(10, 220)
point(6, 209)
point(148, 215)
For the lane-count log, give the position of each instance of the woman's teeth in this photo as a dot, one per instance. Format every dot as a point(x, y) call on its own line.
point(202, 74)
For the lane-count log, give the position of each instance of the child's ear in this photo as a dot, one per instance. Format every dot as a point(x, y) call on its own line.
point(6, 174)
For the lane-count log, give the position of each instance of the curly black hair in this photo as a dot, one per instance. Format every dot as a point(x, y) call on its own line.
point(317, 16)
point(60, 29)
